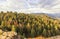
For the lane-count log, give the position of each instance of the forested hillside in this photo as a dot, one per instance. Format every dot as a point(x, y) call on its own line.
point(29, 25)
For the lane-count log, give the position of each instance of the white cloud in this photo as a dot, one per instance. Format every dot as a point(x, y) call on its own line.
point(44, 6)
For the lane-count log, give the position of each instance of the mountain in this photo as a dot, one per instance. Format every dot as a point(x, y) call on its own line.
point(56, 15)
point(30, 25)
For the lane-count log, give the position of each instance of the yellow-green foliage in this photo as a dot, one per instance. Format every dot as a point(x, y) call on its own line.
point(29, 25)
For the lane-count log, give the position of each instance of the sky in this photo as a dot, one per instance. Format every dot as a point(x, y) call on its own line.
point(31, 6)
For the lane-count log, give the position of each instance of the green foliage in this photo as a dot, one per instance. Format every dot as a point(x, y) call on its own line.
point(44, 33)
point(33, 33)
point(29, 25)
point(13, 28)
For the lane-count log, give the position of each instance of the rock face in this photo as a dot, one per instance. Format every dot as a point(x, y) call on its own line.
point(8, 35)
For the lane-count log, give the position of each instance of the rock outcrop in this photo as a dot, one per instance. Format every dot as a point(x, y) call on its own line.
point(7, 35)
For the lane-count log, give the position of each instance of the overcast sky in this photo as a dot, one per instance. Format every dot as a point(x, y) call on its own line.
point(44, 6)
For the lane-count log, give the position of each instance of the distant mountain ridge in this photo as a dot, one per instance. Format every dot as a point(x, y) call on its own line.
point(56, 15)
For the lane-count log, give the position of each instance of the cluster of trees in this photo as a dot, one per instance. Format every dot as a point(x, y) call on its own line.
point(29, 25)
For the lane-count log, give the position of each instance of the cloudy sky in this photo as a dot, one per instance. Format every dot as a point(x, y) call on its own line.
point(43, 6)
